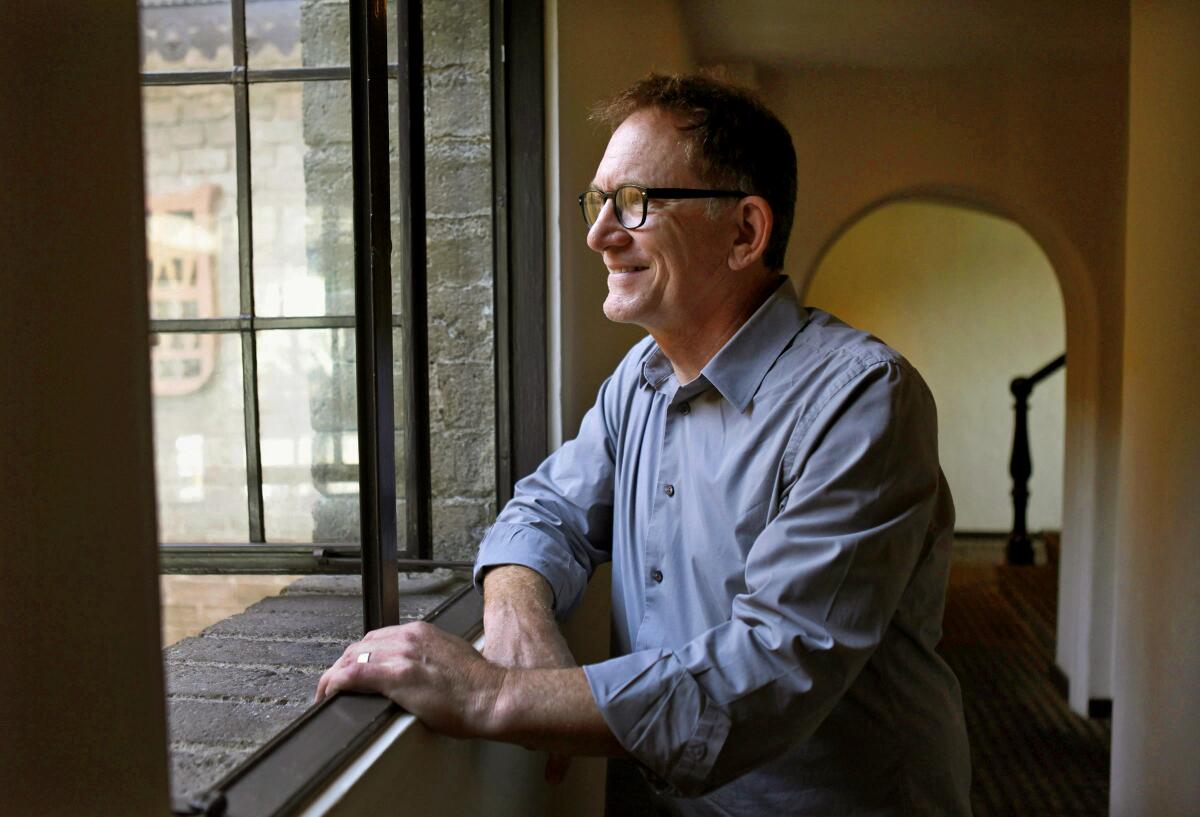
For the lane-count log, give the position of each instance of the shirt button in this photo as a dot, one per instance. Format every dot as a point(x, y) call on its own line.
point(657, 575)
point(669, 489)
point(685, 408)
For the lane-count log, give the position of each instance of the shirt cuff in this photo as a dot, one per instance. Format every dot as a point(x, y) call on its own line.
point(508, 544)
point(660, 715)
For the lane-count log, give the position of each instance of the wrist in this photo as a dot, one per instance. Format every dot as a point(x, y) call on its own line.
point(493, 717)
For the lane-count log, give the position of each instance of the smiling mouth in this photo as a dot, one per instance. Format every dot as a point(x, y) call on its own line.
point(625, 270)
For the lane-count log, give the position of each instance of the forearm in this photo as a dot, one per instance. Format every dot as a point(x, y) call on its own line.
point(518, 620)
point(550, 709)
point(516, 589)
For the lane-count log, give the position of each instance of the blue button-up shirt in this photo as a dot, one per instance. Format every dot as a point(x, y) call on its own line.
point(780, 533)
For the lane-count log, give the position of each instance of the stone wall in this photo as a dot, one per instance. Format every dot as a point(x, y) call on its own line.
point(303, 265)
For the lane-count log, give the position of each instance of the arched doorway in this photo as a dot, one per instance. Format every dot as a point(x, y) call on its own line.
point(972, 300)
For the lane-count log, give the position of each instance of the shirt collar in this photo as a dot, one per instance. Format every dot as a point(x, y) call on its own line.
point(738, 369)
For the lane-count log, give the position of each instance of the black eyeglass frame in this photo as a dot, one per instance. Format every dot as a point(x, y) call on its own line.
point(651, 193)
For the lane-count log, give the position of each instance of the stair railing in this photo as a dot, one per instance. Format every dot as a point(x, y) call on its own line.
point(1020, 466)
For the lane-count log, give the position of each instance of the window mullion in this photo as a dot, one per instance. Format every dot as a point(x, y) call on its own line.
point(241, 115)
point(519, 208)
point(410, 207)
point(373, 312)
point(502, 328)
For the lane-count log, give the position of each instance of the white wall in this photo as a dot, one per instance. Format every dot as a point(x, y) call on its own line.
point(972, 302)
point(1156, 715)
point(81, 690)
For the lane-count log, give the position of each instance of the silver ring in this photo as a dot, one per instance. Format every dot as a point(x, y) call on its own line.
point(363, 657)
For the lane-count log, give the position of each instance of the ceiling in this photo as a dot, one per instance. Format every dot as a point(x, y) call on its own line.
point(792, 34)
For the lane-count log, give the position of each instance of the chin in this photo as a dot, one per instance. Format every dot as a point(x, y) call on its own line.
point(622, 310)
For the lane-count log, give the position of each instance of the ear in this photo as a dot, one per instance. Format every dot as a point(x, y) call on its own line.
point(754, 221)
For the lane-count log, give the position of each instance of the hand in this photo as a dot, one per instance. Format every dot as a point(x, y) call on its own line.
point(520, 631)
point(436, 676)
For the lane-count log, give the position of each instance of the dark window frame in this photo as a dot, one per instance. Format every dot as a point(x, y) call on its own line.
point(285, 773)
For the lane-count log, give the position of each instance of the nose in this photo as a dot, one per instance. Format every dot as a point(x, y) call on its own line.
point(606, 231)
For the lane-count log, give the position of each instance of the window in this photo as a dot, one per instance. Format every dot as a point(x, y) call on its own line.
point(328, 415)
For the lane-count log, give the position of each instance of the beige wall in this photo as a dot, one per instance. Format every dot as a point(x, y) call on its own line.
point(1156, 718)
point(601, 48)
point(972, 301)
point(81, 691)
point(1040, 143)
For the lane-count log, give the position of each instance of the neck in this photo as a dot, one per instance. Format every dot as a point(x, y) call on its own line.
point(689, 347)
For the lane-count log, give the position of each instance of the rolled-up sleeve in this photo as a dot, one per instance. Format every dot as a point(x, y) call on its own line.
point(823, 581)
point(559, 521)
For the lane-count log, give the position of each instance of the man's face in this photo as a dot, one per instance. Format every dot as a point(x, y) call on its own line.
point(667, 273)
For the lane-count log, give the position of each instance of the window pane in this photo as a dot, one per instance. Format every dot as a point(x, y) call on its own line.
point(252, 651)
point(309, 443)
point(199, 441)
point(302, 193)
point(461, 277)
point(185, 37)
point(191, 603)
point(191, 201)
point(401, 415)
point(295, 33)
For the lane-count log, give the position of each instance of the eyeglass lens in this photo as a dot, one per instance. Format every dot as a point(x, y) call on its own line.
point(629, 202)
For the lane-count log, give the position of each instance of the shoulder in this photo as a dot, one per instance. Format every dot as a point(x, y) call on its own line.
point(826, 337)
point(828, 352)
point(830, 361)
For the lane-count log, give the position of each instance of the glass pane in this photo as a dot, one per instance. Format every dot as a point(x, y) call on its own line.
point(191, 201)
point(295, 33)
point(185, 36)
point(302, 198)
point(308, 420)
point(401, 438)
point(460, 284)
point(190, 603)
point(243, 656)
point(199, 441)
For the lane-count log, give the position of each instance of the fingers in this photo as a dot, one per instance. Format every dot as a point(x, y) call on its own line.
point(348, 659)
point(348, 674)
point(396, 653)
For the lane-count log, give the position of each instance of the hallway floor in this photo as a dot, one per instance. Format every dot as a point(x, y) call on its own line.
point(1031, 756)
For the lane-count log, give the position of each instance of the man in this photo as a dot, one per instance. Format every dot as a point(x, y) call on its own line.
point(765, 480)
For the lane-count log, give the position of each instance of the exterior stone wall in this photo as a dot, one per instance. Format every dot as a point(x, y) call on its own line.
point(303, 265)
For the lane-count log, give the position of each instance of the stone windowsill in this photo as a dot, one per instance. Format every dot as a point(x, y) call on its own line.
point(244, 679)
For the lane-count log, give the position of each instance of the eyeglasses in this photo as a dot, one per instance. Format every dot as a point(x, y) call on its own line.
point(629, 200)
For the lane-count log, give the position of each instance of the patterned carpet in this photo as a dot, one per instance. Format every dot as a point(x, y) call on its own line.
point(1031, 756)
